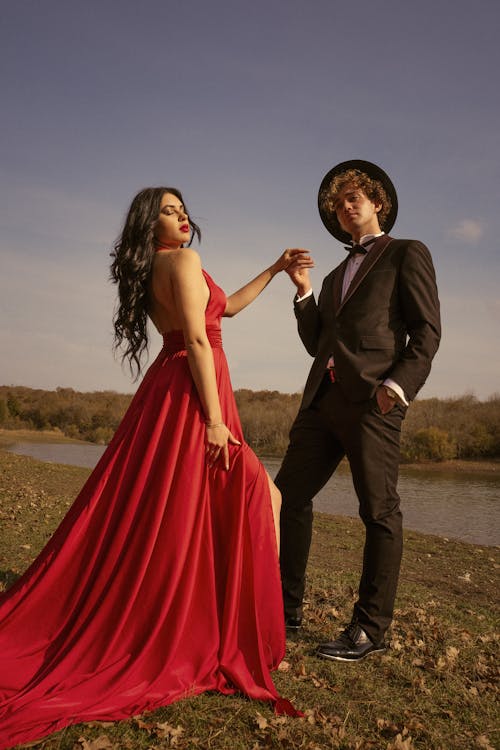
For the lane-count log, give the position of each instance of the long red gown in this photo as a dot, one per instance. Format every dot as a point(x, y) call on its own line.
point(161, 582)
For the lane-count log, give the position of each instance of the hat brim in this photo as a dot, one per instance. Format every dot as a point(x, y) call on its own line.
point(329, 218)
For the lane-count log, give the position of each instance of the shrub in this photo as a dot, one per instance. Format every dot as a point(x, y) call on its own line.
point(429, 444)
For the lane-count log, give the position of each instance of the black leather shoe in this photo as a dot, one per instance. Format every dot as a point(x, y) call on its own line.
point(352, 644)
point(293, 623)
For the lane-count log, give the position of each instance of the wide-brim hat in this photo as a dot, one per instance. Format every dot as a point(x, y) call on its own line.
point(329, 217)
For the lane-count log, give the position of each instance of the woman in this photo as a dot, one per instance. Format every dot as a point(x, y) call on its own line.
point(162, 581)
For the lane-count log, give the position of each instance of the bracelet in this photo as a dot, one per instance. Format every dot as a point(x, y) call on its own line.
point(218, 424)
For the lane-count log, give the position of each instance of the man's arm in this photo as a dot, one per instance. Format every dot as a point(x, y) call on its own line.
point(305, 308)
point(308, 322)
point(420, 310)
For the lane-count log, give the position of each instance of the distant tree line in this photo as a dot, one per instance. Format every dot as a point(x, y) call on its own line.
point(86, 416)
point(434, 429)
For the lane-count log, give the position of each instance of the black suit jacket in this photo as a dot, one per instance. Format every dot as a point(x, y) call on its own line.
point(387, 326)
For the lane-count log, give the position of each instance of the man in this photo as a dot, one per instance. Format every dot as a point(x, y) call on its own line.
point(373, 333)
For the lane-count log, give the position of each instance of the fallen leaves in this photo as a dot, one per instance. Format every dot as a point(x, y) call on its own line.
point(483, 742)
point(169, 735)
point(401, 743)
point(261, 721)
point(399, 734)
point(302, 673)
point(448, 660)
point(101, 743)
point(387, 728)
point(442, 663)
point(166, 731)
point(162, 730)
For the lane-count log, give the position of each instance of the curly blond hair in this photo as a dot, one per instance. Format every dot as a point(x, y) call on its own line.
point(373, 189)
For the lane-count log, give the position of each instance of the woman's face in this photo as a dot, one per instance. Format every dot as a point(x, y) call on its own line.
point(172, 228)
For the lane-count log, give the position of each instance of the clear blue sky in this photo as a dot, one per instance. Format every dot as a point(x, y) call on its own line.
point(244, 106)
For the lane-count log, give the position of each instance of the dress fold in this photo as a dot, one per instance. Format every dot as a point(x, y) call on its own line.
point(161, 582)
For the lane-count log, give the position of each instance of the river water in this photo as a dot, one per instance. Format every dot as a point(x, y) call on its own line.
point(461, 505)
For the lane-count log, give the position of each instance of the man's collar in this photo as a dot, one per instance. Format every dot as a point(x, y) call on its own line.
point(367, 237)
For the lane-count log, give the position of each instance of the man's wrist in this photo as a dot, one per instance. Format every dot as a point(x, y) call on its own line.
point(303, 291)
point(396, 390)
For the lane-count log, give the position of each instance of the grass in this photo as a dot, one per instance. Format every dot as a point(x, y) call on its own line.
point(9, 437)
point(434, 689)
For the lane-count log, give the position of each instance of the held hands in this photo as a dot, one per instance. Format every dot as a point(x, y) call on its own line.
point(218, 437)
point(296, 262)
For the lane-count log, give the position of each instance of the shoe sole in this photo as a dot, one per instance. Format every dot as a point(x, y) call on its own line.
point(351, 659)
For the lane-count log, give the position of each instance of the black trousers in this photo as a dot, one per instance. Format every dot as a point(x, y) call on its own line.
point(331, 428)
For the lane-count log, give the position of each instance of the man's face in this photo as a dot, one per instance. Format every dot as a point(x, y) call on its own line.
point(356, 213)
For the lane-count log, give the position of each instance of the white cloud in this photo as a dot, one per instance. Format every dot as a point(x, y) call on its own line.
point(468, 230)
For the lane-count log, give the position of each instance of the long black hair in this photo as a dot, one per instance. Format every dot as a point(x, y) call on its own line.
point(133, 255)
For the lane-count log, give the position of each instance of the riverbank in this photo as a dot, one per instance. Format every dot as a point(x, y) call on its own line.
point(9, 437)
point(434, 689)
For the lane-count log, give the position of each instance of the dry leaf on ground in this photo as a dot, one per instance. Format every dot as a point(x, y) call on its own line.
point(101, 743)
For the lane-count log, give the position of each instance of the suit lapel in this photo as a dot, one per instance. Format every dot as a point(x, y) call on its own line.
point(371, 259)
point(337, 284)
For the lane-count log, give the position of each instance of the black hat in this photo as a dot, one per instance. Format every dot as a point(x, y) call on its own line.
point(329, 217)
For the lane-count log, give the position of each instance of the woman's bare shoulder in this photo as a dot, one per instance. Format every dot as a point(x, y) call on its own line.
point(178, 261)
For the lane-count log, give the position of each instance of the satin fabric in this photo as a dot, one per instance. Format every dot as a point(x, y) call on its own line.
point(161, 582)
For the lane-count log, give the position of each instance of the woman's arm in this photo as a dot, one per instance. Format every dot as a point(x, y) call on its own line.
point(189, 292)
point(292, 258)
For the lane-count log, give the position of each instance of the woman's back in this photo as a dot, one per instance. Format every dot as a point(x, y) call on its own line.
point(164, 304)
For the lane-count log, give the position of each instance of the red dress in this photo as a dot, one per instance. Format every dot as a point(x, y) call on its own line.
point(161, 582)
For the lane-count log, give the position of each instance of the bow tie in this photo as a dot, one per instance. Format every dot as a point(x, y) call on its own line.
point(359, 249)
